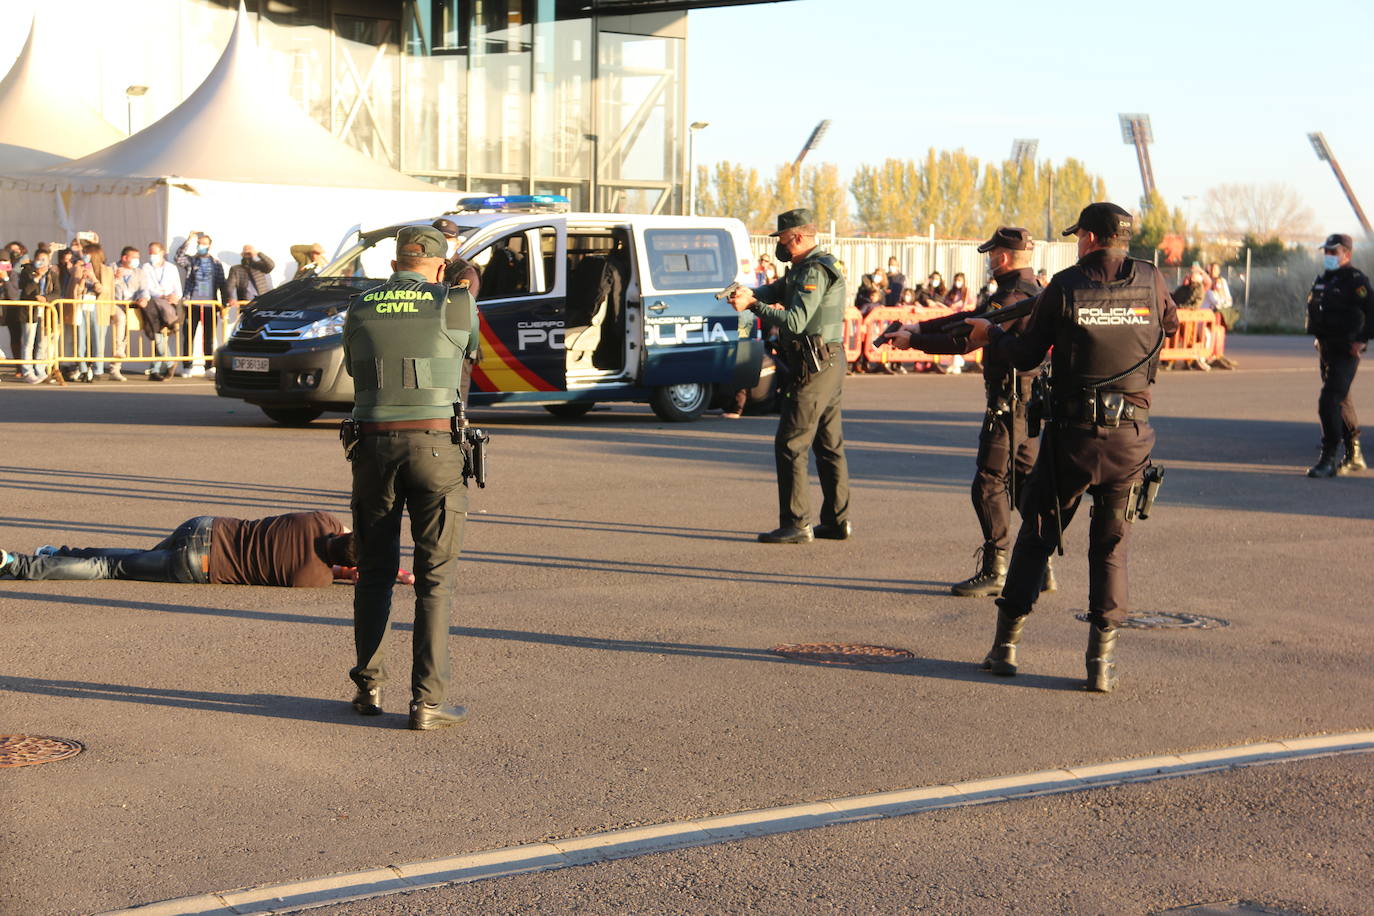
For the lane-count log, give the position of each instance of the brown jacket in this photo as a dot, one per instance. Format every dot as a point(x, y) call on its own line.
point(104, 292)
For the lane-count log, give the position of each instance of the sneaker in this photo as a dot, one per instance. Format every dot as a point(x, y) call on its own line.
point(197, 372)
point(47, 550)
point(34, 379)
point(116, 376)
point(180, 373)
point(210, 373)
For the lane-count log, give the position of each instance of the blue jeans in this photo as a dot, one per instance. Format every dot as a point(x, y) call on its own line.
point(90, 339)
point(180, 557)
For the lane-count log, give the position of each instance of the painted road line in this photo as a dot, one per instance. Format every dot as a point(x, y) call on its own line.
point(637, 841)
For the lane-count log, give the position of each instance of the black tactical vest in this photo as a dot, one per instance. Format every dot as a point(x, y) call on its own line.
point(1109, 328)
point(405, 358)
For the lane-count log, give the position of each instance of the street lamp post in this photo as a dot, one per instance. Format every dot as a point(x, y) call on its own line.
point(130, 94)
point(692, 165)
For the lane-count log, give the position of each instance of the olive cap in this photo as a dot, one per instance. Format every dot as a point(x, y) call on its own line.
point(421, 242)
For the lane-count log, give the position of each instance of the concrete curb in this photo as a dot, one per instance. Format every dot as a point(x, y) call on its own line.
point(637, 841)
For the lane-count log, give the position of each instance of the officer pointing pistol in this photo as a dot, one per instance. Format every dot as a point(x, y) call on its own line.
point(807, 308)
point(404, 345)
point(1340, 314)
point(1005, 452)
point(1106, 318)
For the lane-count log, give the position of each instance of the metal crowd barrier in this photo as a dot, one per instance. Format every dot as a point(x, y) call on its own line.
point(47, 321)
point(122, 343)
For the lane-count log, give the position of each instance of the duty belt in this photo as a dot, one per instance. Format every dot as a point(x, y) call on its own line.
point(1100, 408)
point(388, 426)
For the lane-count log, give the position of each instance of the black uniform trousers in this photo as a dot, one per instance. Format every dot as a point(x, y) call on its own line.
point(1334, 405)
point(810, 421)
point(1074, 460)
point(996, 465)
point(420, 471)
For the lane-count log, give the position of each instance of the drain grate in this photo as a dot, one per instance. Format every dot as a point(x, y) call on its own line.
point(1159, 620)
point(841, 653)
point(27, 750)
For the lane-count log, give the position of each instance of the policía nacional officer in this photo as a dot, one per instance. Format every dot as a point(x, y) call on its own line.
point(1106, 318)
point(807, 308)
point(1005, 453)
point(1340, 314)
point(404, 345)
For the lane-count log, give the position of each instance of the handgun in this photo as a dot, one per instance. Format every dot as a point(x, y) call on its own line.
point(729, 290)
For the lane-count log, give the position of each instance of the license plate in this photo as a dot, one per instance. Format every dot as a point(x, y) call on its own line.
point(250, 364)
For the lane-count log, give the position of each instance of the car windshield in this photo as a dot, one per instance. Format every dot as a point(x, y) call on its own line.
point(371, 255)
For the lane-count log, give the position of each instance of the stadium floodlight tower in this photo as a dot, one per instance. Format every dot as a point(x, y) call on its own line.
point(812, 142)
point(1324, 154)
point(1135, 131)
point(1022, 150)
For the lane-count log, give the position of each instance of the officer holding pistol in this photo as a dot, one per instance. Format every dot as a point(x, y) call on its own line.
point(404, 345)
point(1005, 453)
point(1340, 314)
point(807, 308)
point(1106, 318)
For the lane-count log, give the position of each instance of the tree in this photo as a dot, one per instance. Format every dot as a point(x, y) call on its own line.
point(1155, 222)
point(1267, 211)
point(729, 189)
point(817, 188)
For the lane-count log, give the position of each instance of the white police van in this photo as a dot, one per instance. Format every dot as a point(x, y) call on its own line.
point(576, 309)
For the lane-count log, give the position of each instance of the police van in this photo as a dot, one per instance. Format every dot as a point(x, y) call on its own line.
point(575, 309)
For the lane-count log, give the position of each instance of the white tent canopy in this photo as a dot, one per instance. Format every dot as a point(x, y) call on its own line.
point(42, 125)
point(236, 160)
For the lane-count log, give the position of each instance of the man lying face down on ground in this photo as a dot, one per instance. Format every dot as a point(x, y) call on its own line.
point(299, 550)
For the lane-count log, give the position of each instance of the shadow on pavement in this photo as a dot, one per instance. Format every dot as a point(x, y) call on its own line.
point(270, 705)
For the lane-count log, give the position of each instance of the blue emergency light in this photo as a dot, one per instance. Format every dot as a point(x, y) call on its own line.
point(516, 203)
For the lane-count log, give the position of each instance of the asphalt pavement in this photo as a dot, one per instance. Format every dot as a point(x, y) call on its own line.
point(612, 635)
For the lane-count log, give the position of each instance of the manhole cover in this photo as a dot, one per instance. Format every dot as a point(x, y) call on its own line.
point(841, 653)
point(1158, 620)
point(25, 750)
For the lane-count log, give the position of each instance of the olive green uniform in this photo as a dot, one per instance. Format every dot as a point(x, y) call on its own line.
point(812, 299)
point(404, 345)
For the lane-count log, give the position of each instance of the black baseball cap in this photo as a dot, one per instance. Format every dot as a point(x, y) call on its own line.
point(448, 227)
point(1013, 237)
point(793, 219)
point(1338, 238)
point(1104, 220)
point(421, 242)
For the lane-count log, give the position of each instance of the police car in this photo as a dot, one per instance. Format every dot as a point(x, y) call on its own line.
point(575, 309)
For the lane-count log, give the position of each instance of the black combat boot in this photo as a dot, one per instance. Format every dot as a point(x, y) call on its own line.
point(1326, 464)
point(1049, 583)
point(1354, 458)
point(991, 576)
point(1001, 658)
point(1100, 663)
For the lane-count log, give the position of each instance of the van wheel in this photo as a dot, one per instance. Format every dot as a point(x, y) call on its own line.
point(680, 403)
point(571, 410)
point(293, 416)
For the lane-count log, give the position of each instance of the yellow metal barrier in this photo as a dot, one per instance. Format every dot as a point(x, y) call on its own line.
point(119, 322)
point(45, 336)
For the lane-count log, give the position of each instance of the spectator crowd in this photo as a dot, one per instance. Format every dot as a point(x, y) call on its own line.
point(178, 301)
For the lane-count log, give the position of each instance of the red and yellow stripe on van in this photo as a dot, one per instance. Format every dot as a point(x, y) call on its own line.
point(500, 370)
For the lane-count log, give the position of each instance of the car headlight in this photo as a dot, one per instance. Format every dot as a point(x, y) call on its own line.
point(325, 327)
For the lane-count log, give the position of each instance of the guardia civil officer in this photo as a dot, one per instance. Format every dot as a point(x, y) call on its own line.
point(404, 344)
point(1005, 453)
point(1341, 317)
point(807, 308)
point(1106, 318)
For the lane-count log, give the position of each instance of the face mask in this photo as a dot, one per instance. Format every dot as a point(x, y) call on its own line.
point(133, 263)
point(202, 249)
point(154, 259)
point(1331, 261)
point(85, 259)
point(40, 266)
point(958, 284)
point(781, 252)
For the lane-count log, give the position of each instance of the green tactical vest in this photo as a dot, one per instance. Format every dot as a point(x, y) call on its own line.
point(405, 358)
point(828, 321)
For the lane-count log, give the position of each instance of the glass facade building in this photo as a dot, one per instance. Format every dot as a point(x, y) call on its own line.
point(572, 97)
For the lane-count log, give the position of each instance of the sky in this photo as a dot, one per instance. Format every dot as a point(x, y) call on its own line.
point(1232, 88)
